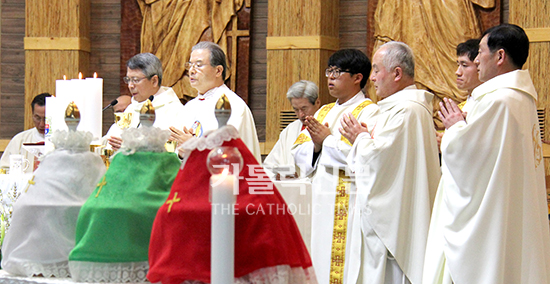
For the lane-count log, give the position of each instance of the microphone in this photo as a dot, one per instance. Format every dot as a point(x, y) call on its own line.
point(114, 102)
point(151, 98)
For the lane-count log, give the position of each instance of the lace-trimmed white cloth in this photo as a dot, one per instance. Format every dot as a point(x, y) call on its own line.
point(74, 141)
point(119, 272)
point(144, 139)
point(281, 274)
point(42, 229)
point(209, 141)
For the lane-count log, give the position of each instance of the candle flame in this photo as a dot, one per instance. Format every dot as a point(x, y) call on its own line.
point(95, 74)
point(64, 77)
point(80, 75)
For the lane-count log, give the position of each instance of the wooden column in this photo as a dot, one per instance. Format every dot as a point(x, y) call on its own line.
point(301, 36)
point(57, 43)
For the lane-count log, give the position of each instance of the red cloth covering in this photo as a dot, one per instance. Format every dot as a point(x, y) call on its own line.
point(180, 242)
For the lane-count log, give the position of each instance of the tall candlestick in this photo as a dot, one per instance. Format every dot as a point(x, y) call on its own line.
point(223, 229)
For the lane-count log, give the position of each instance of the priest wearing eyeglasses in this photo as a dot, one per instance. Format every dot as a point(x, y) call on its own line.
point(320, 150)
point(144, 79)
point(207, 69)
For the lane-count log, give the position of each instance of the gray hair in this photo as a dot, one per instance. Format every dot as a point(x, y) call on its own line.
point(217, 56)
point(147, 63)
point(398, 54)
point(303, 89)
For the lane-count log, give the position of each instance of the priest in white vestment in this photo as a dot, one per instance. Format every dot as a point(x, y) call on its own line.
point(320, 149)
point(396, 169)
point(466, 73)
point(207, 67)
point(304, 98)
point(489, 222)
point(33, 135)
point(144, 78)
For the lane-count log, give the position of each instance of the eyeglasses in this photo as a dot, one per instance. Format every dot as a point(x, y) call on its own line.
point(335, 73)
point(198, 65)
point(134, 80)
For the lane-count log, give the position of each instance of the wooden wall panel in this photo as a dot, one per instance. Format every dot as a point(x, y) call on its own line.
point(12, 62)
point(130, 36)
point(353, 24)
point(105, 51)
point(104, 59)
point(57, 18)
point(49, 25)
point(258, 66)
point(302, 34)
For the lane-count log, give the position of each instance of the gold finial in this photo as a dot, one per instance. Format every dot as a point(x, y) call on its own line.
point(222, 111)
point(147, 108)
point(72, 111)
point(223, 103)
point(147, 114)
point(72, 116)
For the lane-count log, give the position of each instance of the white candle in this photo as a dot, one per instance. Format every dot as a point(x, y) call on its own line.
point(93, 102)
point(53, 117)
point(64, 94)
point(87, 94)
point(223, 228)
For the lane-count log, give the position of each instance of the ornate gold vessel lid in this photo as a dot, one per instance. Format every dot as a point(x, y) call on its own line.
point(147, 114)
point(222, 110)
point(147, 108)
point(223, 103)
point(72, 116)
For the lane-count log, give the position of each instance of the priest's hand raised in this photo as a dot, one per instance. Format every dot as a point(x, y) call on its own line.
point(450, 113)
point(317, 131)
point(180, 136)
point(351, 127)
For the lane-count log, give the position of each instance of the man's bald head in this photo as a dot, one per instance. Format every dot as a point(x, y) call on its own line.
point(123, 103)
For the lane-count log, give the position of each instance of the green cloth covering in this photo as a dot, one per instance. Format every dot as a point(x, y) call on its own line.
point(116, 225)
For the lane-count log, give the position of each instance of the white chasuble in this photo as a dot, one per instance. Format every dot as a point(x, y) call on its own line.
point(490, 218)
point(280, 157)
point(331, 186)
point(396, 169)
point(200, 117)
point(168, 112)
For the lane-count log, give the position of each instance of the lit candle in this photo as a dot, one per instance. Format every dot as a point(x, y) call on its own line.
point(87, 94)
point(223, 228)
point(93, 103)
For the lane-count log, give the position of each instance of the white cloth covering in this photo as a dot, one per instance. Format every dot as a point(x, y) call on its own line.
point(397, 171)
point(325, 179)
point(15, 147)
point(280, 158)
point(200, 117)
point(490, 216)
point(42, 230)
point(168, 112)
